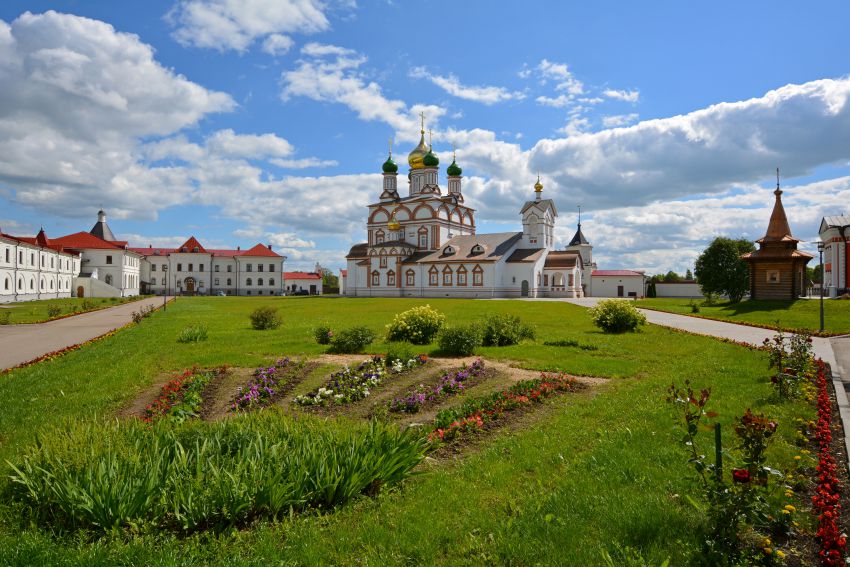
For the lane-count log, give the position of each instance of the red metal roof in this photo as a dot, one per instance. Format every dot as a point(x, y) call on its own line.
point(301, 276)
point(82, 240)
point(260, 250)
point(616, 273)
point(191, 244)
point(42, 241)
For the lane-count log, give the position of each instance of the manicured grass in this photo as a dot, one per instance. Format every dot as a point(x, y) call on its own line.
point(800, 314)
point(588, 473)
point(37, 311)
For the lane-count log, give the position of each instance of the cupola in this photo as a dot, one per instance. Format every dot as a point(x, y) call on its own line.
point(390, 166)
point(454, 169)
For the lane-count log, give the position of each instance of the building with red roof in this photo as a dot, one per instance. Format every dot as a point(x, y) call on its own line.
point(302, 283)
point(193, 269)
point(35, 267)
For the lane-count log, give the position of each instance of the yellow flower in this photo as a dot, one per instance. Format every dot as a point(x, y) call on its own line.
point(765, 542)
point(797, 457)
point(786, 511)
point(790, 508)
point(780, 554)
point(767, 551)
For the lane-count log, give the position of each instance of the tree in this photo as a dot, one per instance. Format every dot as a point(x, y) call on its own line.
point(329, 279)
point(672, 277)
point(814, 274)
point(721, 270)
point(689, 275)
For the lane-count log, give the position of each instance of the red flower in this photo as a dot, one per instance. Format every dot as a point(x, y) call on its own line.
point(741, 475)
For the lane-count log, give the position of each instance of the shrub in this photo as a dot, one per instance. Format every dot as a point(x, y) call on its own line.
point(53, 311)
point(88, 305)
point(460, 341)
point(264, 318)
point(694, 306)
point(401, 351)
point(418, 325)
point(352, 341)
point(5, 316)
point(323, 334)
point(616, 316)
point(504, 330)
point(192, 334)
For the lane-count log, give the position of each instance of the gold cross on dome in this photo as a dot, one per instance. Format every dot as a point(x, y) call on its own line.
point(422, 117)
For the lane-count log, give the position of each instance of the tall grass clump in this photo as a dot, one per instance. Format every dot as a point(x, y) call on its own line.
point(192, 334)
point(504, 330)
point(199, 476)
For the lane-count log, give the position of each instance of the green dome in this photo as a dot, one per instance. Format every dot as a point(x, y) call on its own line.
point(389, 166)
point(430, 160)
point(454, 169)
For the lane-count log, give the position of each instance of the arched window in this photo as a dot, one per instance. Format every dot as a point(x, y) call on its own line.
point(423, 237)
point(51, 285)
point(271, 281)
point(376, 278)
point(410, 278)
point(41, 284)
point(383, 260)
point(20, 284)
point(379, 237)
point(229, 281)
point(259, 281)
point(108, 279)
point(391, 278)
point(477, 275)
point(248, 281)
point(448, 251)
point(6, 284)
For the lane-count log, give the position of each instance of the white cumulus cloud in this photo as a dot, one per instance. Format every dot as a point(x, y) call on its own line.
point(451, 84)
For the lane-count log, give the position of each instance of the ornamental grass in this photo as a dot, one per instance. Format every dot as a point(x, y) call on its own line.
point(126, 476)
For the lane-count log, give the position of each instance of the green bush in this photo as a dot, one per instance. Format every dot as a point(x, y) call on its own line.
point(264, 318)
point(192, 334)
point(124, 475)
point(88, 305)
point(352, 341)
point(5, 316)
point(323, 334)
point(504, 330)
point(418, 325)
point(616, 316)
point(53, 311)
point(460, 341)
point(399, 351)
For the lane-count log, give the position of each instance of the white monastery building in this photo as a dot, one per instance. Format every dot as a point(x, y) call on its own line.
point(192, 269)
point(35, 268)
point(835, 235)
point(425, 244)
point(302, 283)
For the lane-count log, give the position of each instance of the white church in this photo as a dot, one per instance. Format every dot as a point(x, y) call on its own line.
point(424, 244)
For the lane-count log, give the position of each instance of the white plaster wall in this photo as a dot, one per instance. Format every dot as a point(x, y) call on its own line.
point(606, 286)
point(678, 290)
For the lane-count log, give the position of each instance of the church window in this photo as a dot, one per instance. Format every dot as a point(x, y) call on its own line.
point(391, 278)
point(433, 276)
point(477, 249)
point(229, 268)
point(249, 268)
point(447, 276)
point(545, 279)
point(773, 276)
point(383, 261)
point(410, 277)
point(259, 281)
point(423, 237)
point(448, 251)
point(571, 280)
point(376, 278)
point(7, 255)
point(51, 285)
point(478, 276)
point(190, 267)
point(379, 237)
point(109, 279)
point(259, 267)
point(6, 284)
point(215, 281)
point(42, 261)
point(461, 276)
point(538, 279)
point(249, 281)
point(51, 261)
point(532, 239)
point(179, 267)
point(32, 259)
point(271, 281)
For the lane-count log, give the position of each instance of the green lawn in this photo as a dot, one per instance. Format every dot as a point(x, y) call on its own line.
point(37, 311)
point(592, 472)
point(800, 314)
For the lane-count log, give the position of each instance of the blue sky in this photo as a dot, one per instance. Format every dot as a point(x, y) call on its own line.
point(260, 120)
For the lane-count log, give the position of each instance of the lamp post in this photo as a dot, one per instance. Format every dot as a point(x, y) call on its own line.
point(822, 281)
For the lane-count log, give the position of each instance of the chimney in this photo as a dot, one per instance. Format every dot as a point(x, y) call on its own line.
point(270, 246)
point(238, 248)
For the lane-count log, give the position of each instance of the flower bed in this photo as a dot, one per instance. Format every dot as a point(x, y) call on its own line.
point(451, 383)
point(475, 413)
point(180, 398)
point(347, 385)
point(828, 490)
point(266, 383)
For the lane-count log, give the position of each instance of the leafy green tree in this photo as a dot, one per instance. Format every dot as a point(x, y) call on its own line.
point(721, 270)
point(689, 275)
point(329, 279)
point(672, 277)
point(815, 274)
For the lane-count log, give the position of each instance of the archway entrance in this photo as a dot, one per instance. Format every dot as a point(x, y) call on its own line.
point(524, 288)
point(189, 285)
point(81, 292)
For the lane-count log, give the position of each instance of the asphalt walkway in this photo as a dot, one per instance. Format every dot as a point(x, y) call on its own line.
point(22, 343)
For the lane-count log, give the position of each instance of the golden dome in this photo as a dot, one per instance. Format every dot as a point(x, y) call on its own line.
point(416, 157)
point(393, 224)
point(538, 187)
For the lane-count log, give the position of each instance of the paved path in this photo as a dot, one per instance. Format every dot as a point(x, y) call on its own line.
point(22, 343)
point(834, 351)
